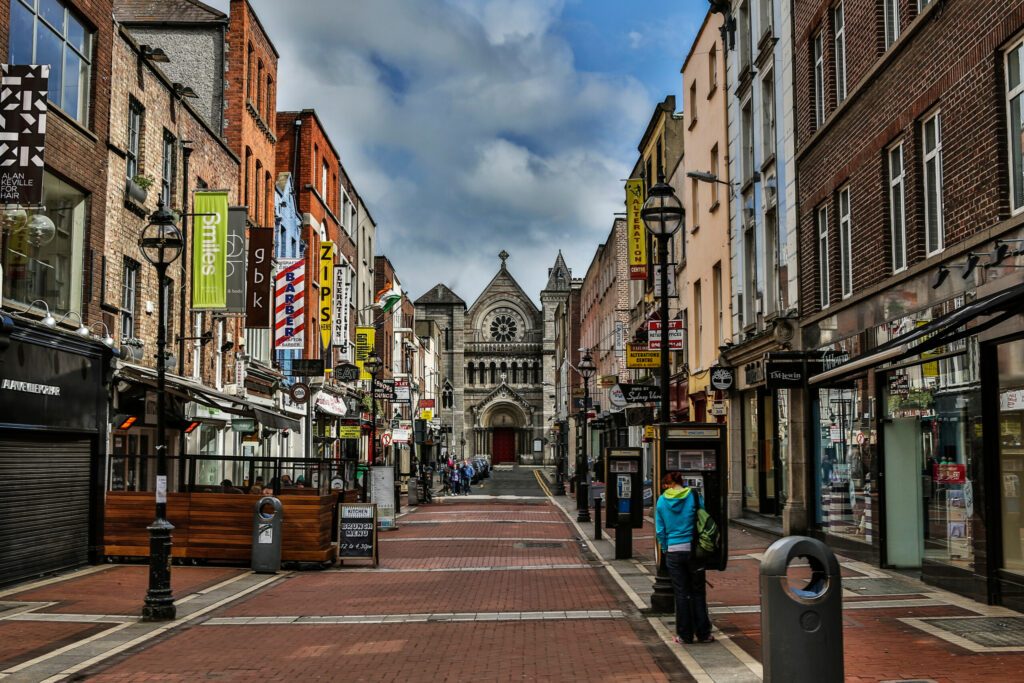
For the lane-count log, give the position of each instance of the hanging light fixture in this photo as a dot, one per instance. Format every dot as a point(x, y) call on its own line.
point(48, 319)
point(13, 217)
point(106, 339)
point(82, 330)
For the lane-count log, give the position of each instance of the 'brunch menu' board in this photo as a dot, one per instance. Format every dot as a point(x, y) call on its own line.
point(357, 535)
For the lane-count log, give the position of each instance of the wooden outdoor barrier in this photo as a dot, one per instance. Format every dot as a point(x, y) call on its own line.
point(218, 526)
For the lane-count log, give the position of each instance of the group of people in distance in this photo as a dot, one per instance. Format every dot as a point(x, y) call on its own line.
point(457, 478)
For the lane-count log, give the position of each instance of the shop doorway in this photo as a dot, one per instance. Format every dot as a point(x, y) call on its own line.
point(761, 470)
point(504, 440)
point(904, 514)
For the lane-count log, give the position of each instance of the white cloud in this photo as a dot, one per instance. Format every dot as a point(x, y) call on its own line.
point(466, 126)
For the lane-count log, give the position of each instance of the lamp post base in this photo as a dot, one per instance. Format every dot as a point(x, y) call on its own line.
point(582, 503)
point(159, 604)
point(663, 599)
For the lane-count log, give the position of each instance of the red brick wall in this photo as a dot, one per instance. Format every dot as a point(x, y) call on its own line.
point(250, 121)
point(79, 155)
point(950, 58)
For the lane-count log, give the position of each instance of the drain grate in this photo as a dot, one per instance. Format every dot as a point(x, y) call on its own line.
point(985, 631)
point(539, 544)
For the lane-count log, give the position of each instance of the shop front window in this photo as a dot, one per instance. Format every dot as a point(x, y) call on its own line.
point(43, 265)
point(932, 435)
point(782, 441)
point(845, 469)
point(1011, 451)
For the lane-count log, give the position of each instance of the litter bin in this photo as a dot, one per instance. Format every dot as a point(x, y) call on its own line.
point(801, 628)
point(266, 535)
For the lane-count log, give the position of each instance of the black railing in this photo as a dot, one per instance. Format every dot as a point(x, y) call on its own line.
point(227, 474)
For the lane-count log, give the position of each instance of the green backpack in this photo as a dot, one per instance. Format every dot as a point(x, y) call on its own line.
point(708, 538)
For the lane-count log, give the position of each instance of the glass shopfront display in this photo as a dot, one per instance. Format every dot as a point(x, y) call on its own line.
point(1011, 452)
point(845, 472)
point(933, 449)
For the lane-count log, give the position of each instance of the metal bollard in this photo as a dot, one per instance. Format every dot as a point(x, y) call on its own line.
point(597, 519)
point(801, 629)
point(624, 536)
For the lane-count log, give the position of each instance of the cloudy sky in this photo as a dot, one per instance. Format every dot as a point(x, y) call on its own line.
point(472, 126)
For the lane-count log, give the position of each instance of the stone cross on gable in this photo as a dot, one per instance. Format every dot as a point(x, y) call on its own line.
point(504, 257)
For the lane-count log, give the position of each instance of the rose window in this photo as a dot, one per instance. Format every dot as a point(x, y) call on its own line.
point(503, 328)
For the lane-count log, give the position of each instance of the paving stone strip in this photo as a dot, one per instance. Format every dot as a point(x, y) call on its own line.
point(399, 618)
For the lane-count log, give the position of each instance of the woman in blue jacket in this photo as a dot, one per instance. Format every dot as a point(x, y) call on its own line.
point(675, 523)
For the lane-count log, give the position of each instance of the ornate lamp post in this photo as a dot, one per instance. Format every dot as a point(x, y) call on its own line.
point(161, 245)
point(586, 370)
point(663, 215)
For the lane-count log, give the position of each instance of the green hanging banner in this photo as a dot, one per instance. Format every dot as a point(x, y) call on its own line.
point(209, 250)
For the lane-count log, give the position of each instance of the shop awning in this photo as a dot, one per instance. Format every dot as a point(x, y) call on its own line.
point(269, 418)
point(946, 329)
point(200, 393)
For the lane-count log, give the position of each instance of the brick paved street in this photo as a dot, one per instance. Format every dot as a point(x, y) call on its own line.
point(472, 588)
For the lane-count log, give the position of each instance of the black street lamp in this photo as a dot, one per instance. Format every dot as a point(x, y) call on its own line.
point(663, 215)
point(586, 370)
point(161, 245)
point(372, 365)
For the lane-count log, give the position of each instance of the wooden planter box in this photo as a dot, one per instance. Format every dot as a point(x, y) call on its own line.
point(218, 526)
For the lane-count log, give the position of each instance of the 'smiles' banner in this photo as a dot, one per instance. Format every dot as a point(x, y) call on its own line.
point(209, 251)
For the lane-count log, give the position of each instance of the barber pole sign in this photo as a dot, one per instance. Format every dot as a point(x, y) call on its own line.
point(289, 304)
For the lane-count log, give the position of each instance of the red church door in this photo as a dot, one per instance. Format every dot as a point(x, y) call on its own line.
point(504, 445)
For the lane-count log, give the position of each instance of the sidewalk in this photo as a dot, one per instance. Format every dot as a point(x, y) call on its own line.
point(894, 628)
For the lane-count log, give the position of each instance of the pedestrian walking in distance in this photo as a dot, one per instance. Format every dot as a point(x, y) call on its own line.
point(675, 523)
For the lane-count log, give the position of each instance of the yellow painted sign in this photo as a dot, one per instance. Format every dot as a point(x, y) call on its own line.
point(637, 237)
point(427, 414)
point(365, 337)
point(349, 432)
point(649, 433)
point(637, 356)
point(326, 295)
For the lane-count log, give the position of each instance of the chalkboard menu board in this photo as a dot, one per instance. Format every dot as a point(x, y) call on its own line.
point(357, 537)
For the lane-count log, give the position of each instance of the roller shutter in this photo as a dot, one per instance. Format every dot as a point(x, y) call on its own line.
point(44, 506)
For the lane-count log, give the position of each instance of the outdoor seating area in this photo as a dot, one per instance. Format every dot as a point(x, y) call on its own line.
point(213, 522)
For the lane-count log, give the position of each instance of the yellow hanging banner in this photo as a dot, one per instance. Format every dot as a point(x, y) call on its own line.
point(365, 339)
point(326, 295)
point(637, 237)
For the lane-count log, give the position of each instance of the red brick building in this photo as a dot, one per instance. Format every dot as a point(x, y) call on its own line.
point(74, 185)
point(910, 198)
point(304, 149)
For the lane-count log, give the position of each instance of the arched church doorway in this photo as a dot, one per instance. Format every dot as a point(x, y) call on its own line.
point(508, 432)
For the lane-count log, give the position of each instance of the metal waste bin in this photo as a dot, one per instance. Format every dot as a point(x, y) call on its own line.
point(266, 535)
point(801, 628)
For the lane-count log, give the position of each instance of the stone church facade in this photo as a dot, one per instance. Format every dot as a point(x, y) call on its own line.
point(502, 369)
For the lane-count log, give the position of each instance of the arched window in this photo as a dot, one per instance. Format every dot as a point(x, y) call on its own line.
point(515, 372)
point(494, 374)
point(536, 372)
point(470, 374)
point(504, 371)
point(483, 374)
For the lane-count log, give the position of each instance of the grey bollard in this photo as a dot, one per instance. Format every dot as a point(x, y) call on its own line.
point(801, 629)
point(266, 536)
point(624, 536)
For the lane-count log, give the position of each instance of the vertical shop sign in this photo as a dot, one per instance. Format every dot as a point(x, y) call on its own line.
point(289, 303)
point(257, 290)
point(22, 132)
point(236, 260)
point(342, 298)
point(637, 238)
point(365, 339)
point(326, 293)
point(209, 250)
